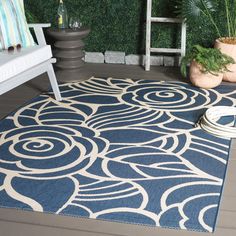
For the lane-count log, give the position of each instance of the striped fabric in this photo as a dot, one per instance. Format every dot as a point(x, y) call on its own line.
point(13, 26)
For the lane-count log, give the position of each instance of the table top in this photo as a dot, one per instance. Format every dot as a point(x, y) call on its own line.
point(65, 34)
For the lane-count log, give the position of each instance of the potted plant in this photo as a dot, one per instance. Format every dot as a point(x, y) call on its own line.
point(193, 10)
point(207, 66)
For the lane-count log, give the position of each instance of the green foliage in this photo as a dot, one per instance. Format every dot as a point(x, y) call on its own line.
point(210, 10)
point(119, 25)
point(212, 60)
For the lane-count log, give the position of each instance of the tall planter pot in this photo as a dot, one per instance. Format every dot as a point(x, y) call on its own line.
point(203, 80)
point(230, 50)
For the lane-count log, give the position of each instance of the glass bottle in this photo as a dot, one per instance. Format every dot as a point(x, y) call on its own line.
point(62, 16)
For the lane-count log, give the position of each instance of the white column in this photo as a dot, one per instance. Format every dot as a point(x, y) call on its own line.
point(183, 38)
point(148, 35)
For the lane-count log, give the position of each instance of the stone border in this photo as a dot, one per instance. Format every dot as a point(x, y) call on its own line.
point(116, 57)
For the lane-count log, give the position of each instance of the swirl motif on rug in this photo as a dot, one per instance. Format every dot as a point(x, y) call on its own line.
point(119, 150)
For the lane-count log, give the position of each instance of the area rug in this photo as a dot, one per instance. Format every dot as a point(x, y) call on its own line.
point(117, 150)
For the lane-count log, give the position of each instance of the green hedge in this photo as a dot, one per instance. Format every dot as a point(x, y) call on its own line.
point(120, 24)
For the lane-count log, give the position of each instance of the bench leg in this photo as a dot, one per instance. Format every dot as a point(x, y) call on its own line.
point(54, 83)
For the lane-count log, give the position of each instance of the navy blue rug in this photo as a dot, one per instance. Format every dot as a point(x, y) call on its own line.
point(117, 150)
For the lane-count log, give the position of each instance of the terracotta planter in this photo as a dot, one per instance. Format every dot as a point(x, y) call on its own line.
point(230, 50)
point(203, 80)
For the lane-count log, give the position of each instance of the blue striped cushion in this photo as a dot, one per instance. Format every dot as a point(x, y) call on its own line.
point(13, 26)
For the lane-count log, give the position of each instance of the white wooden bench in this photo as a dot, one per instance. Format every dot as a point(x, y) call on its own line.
point(21, 66)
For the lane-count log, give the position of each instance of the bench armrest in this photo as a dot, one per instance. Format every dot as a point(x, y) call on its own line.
point(39, 25)
point(38, 29)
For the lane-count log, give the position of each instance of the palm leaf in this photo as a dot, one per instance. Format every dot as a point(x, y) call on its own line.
point(194, 9)
point(211, 5)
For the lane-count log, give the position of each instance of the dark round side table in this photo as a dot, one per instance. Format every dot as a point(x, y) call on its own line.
point(68, 52)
